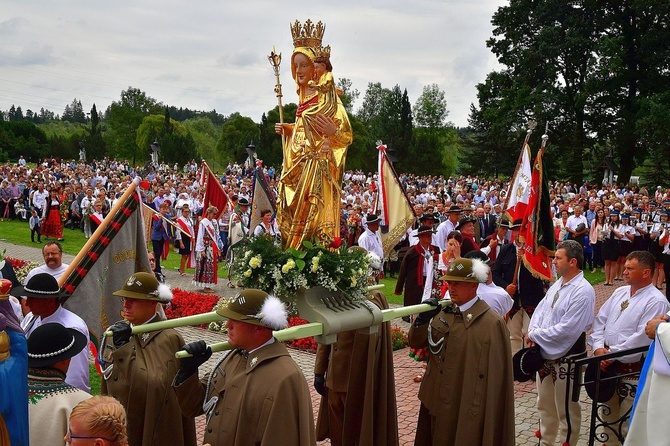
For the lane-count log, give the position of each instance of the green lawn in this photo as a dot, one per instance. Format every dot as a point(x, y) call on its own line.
point(18, 232)
point(95, 380)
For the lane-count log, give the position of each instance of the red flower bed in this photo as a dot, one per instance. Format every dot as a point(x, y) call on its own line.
point(398, 338)
point(308, 344)
point(189, 303)
point(16, 263)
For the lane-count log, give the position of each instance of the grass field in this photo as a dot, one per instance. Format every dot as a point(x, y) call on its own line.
point(95, 380)
point(18, 232)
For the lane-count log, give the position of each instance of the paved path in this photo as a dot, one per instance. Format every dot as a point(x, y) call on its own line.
point(405, 367)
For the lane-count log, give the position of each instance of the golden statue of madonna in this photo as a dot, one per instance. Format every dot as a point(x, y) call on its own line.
point(315, 146)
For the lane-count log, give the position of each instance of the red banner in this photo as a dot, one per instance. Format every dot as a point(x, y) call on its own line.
point(537, 228)
point(214, 193)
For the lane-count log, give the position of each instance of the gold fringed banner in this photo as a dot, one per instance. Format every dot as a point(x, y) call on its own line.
point(397, 214)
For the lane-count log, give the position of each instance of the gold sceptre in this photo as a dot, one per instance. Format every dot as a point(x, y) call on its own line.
point(275, 61)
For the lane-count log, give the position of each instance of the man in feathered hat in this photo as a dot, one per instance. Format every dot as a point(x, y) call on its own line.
point(418, 271)
point(467, 393)
point(138, 369)
point(256, 394)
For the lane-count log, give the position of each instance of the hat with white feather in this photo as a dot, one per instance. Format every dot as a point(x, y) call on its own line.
point(258, 308)
point(467, 270)
point(145, 286)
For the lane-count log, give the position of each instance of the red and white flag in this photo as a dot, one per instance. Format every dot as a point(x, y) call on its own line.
point(537, 230)
point(518, 193)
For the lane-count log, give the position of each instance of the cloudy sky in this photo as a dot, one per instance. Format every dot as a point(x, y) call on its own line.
point(213, 55)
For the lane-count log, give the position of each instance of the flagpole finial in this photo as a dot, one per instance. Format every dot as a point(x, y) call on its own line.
point(531, 126)
point(545, 137)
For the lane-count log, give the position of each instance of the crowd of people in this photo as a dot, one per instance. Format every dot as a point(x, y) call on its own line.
point(462, 248)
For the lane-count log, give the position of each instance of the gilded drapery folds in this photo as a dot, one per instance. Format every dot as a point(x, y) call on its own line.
point(308, 207)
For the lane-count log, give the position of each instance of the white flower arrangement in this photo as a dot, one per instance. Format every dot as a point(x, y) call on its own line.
point(286, 272)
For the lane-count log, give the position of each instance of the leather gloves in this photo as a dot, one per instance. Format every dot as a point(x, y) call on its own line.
point(426, 316)
point(200, 352)
point(320, 384)
point(121, 333)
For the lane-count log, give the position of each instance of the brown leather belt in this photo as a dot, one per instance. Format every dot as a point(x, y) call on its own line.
point(634, 367)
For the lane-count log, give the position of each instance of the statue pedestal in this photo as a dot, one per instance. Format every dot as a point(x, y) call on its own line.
point(336, 313)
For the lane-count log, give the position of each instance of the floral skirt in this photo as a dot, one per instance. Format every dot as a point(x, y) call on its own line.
point(205, 270)
point(53, 226)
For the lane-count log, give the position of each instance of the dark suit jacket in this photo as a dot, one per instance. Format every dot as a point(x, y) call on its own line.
point(468, 246)
point(493, 254)
point(530, 290)
point(479, 234)
point(489, 225)
point(408, 276)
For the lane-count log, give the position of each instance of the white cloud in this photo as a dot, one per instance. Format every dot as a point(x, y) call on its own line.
point(207, 55)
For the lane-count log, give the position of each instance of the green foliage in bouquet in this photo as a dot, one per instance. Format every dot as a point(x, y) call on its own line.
point(261, 264)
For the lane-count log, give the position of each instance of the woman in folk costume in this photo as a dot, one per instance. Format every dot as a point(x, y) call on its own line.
point(186, 242)
point(52, 224)
point(453, 252)
point(308, 206)
point(207, 251)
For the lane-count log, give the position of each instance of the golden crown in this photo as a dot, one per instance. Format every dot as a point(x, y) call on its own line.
point(322, 52)
point(309, 34)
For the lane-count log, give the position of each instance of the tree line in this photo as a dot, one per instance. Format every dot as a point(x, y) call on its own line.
point(419, 137)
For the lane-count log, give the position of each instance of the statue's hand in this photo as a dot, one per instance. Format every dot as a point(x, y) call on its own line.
point(325, 126)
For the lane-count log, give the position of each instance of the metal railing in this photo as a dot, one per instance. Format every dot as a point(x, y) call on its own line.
point(601, 430)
